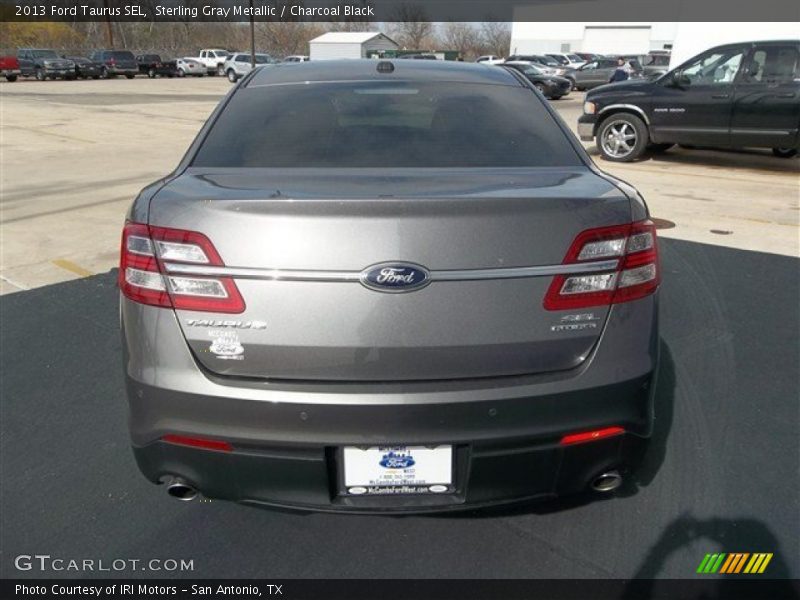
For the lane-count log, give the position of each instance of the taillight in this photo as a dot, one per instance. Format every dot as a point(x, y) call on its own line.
point(142, 277)
point(637, 273)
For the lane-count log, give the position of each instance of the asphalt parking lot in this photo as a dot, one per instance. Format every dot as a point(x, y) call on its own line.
point(721, 475)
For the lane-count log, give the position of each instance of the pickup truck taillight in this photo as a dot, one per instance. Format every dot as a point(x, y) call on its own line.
point(143, 278)
point(637, 275)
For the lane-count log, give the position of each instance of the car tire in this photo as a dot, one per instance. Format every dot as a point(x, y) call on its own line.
point(541, 88)
point(95, 76)
point(11, 78)
point(128, 76)
point(181, 73)
point(221, 70)
point(622, 137)
point(658, 148)
point(232, 76)
point(40, 75)
point(151, 73)
point(785, 152)
point(104, 73)
point(572, 85)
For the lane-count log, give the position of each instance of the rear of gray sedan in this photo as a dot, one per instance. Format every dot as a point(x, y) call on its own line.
point(388, 286)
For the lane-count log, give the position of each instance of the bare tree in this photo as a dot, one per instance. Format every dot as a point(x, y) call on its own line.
point(496, 37)
point(283, 38)
point(463, 37)
point(410, 28)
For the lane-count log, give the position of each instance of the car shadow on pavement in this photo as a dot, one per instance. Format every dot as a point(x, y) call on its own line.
point(738, 535)
point(642, 474)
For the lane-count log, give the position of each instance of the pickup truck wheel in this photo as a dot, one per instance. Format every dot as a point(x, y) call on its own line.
point(11, 78)
point(221, 70)
point(785, 152)
point(151, 73)
point(104, 73)
point(622, 137)
point(40, 76)
point(231, 76)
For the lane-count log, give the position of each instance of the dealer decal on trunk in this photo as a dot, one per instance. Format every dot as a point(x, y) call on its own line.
point(226, 345)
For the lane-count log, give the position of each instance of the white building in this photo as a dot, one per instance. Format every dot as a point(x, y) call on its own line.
point(349, 44)
point(600, 38)
point(685, 39)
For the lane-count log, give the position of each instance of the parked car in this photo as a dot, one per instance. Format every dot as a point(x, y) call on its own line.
point(44, 64)
point(598, 72)
point(655, 63)
point(490, 59)
point(9, 67)
point(191, 67)
point(239, 64)
point(296, 58)
point(116, 62)
point(732, 96)
point(489, 316)
point(148, 64)
point(548, 65)
point(551, 86)
point(153, 65)
point(213, 60)
point(168, 68)
point(85, 68)
point(540, 60)
point(573, 61)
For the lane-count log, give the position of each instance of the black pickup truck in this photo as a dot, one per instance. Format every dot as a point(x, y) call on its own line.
point(733, 96)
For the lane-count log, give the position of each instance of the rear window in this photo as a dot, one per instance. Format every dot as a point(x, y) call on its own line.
point(385, 124)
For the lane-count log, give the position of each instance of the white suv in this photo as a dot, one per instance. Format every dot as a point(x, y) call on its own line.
point(238, 64)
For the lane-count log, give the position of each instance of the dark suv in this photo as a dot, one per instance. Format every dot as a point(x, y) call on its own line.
point(116, 62)
point(733, 96)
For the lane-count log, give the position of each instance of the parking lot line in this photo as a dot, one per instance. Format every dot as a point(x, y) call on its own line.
point(71, 267)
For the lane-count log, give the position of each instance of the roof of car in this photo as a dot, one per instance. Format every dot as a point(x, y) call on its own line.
point(366, 69)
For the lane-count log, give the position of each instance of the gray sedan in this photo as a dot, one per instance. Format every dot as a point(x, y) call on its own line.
point(388, 286)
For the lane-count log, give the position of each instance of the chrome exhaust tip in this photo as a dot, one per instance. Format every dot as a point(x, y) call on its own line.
point(181, 490)
point(607, 482)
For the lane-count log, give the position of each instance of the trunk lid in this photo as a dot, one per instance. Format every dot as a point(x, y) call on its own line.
point(442, 219)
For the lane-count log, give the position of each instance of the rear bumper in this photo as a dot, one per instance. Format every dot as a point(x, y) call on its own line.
point(505, 451)
point(287, 437)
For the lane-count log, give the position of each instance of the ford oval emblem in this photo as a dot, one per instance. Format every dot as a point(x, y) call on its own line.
point(395, 277)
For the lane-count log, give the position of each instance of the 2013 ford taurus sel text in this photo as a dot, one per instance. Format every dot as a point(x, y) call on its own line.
point(388, 286)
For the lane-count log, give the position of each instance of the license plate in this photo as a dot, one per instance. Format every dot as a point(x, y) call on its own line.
point(398, 469)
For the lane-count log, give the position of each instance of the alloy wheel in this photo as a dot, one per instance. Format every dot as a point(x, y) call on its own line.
point(618, 139)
